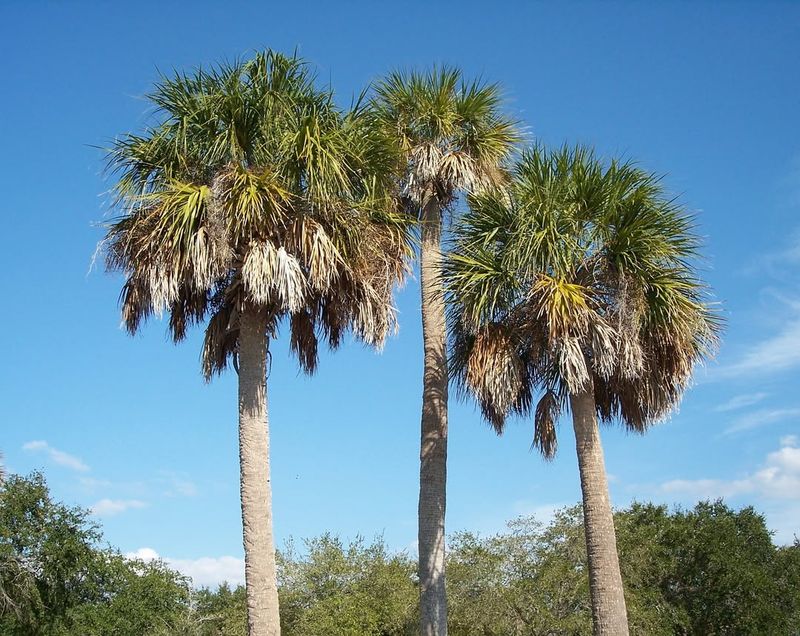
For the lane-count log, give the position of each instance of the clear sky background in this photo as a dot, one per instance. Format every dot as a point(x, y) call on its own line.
point(705, 93)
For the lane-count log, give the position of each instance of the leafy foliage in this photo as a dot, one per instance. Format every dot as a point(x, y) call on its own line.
point(346, 590)
point(709, 570)
point(56, 579)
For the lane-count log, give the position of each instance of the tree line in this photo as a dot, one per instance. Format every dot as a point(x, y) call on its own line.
point(552, 281)
point(709, 570)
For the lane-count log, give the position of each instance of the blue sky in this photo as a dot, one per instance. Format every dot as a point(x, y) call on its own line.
point(706, 94)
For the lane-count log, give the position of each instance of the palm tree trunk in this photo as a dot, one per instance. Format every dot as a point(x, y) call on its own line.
point(433, 447)
point(609, 615)
point(263, 618)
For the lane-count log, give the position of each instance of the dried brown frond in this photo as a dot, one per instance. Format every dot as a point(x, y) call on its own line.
point(548, 410)
point(259, 273)
point(495, 373)
point(604, 348)
point(627, 313)
point(303, 341)
point(425, 162)
point(423, 168)
point(571, 360)
point(457, 171)
point(221, 341)
point(135, 301)
point(189, 309)
point(333, 318)
point(310, 242)
point(273, 277)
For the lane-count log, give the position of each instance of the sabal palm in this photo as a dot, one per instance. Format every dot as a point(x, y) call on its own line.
point(254, 199)
point(577, 281)
point(454, 138)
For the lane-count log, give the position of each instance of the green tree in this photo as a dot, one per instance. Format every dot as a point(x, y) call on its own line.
point(725, 567)
point(221, 612)
point(252, 199)
point(577, 281)
point(454, 139)
point(357, 589)
point(57, 580)
point(708, 570)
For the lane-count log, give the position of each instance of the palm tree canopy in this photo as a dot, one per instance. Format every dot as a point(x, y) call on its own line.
point(253, 187)
point(579, 274)
point(453, 132)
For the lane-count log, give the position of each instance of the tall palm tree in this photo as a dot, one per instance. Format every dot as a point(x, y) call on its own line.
point(454, 138)
point(254, 199)
point(578, 281)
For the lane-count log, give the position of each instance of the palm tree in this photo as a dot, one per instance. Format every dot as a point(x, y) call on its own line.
point(252, 199)
point(454, 138)
point(578, 281)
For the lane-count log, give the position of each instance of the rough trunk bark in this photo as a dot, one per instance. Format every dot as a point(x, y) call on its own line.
point(609, 615)
point(433, 447)
point(256, 490)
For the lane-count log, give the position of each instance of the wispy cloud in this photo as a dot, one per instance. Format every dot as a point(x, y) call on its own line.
point(182, 488)
point(56, 456)
point(790, 440)
point(740, 402)
point(761, 418)
point(177, 484)
point(774, 487)
point(205, 571)
point(778, 478)
point(779, 352)
point(706, 488)
point(92, 485)
point(109, 507)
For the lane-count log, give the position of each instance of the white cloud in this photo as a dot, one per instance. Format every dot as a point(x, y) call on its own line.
point(108, 507)
point(784, 521)
point(58, 456)
point(180, 487)
point(740, 402)
point(779, 352)
point(779, 478)
point(761, 418)
point(143, 554)
point(204, 572)
point(93, 485)
point(706, 488)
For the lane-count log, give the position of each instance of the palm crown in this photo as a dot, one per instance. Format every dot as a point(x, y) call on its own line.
point(578, 275)
point(253, 187)
point(453, 133)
